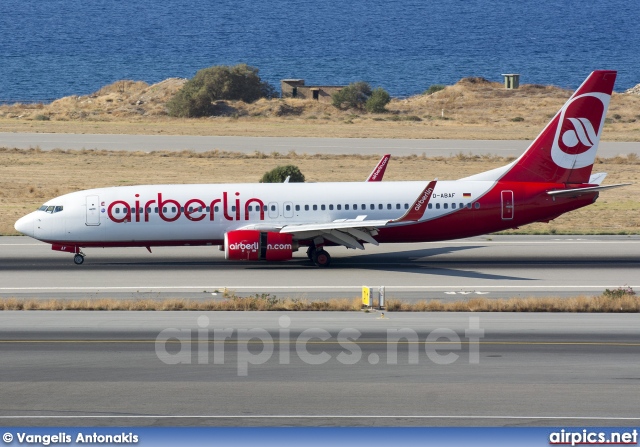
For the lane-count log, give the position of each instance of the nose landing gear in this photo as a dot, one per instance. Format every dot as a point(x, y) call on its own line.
point(78, 258)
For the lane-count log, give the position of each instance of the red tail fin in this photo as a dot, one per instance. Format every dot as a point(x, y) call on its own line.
point(565, 150)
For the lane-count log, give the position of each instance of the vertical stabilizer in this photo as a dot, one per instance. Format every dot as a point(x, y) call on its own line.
point(565, 150)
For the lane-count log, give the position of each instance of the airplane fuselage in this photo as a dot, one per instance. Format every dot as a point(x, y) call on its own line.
point(152, 215)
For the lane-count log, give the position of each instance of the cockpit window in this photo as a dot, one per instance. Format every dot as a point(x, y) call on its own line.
point(51, 208)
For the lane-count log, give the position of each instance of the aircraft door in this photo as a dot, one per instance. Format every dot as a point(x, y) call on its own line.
point(273, 210)
point(507, 205)
point(93, 211)
point(288, 209)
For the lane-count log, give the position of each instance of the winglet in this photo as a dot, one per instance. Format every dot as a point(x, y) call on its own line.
point(378, 172)
point(418, 208)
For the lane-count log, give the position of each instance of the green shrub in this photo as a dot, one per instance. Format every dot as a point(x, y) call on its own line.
point(353, 96)
point(378, 100)
point(196, 97)
point(41, 118)
point(280, 173)
point(517, 119)
point(434, 88)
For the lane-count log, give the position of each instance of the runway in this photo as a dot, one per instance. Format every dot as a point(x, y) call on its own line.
point(318, 368)
point(488, 266)
point(365, 146)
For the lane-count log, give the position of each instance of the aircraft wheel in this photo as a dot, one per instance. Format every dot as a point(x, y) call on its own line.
point(311, 252)
point(321, 258)
point(78, 259)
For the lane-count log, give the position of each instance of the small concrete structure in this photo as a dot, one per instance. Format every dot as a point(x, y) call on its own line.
point(511, 80)
point(295, 88)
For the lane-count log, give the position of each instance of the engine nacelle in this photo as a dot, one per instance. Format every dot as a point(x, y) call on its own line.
point(254, 245)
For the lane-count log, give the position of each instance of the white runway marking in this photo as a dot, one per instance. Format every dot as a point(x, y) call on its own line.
point(236, 288)
point(319, 416)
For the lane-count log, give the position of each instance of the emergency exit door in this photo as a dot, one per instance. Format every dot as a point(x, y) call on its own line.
point(507, 205)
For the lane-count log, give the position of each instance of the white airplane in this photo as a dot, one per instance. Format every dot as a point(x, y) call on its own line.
point(271, 221)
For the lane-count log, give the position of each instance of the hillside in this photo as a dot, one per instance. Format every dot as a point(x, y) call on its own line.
point(472, 108)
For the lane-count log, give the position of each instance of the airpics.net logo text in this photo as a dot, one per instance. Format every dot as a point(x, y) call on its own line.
point(314, 346)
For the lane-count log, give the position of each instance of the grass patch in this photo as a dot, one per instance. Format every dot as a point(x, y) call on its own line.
point(621, 300)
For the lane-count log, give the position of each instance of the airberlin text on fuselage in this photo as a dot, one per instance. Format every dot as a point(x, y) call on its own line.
point(193, 209)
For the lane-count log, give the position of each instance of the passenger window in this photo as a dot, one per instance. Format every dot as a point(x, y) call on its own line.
point(469, 205)
point(363, 207)
point(297, 207)
point(273, 208)
point(323, 207)
point(330, 207)
point(437, 206)
point(233, 208)
point(191, 209)
point(430, 206)
point(406, 206)
point(264, 208)
point(446, 206)
point(164, 209)
point(453, 206)
point(339, 207)
point(174, 209)
point(182, 209)
point(397, 206)
point(207, 208)
point(288, 207)
point(117, 210)
point(373, 207)
point(388, 206)
point(306, 207)
point(148, 210)
point(477, 205)
point(315, 207)
point(346, 207)
point(199, 209)
point(379, 206)
point(156, 210)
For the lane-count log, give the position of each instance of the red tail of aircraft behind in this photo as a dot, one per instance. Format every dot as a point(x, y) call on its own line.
point(271, 221)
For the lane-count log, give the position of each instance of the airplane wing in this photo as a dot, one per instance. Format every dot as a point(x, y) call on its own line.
point(349, 232)
point(378, 172)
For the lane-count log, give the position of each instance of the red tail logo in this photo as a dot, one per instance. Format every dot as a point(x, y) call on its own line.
point(578, 133)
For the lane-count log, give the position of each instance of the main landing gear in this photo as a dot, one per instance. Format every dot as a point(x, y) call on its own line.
point(78, 258)
point(319, 256)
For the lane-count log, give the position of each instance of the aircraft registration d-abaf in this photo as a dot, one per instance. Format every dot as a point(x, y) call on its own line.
point(271, 221)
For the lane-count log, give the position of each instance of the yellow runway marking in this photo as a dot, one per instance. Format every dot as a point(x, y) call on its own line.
point(329, 342)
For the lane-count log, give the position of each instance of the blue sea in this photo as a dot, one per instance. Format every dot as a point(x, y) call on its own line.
point(55, 48)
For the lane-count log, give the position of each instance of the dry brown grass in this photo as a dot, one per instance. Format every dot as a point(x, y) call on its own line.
point(472, 110)
point(603, 303)
point(30, 177)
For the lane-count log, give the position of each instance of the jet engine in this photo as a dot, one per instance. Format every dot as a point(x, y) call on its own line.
point(255, 245)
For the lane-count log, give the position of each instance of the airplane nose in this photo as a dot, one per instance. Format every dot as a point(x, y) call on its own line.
point(25, 225)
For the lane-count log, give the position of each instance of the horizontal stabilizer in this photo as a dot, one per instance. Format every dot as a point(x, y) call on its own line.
point(597, 178)
point(579, 191)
